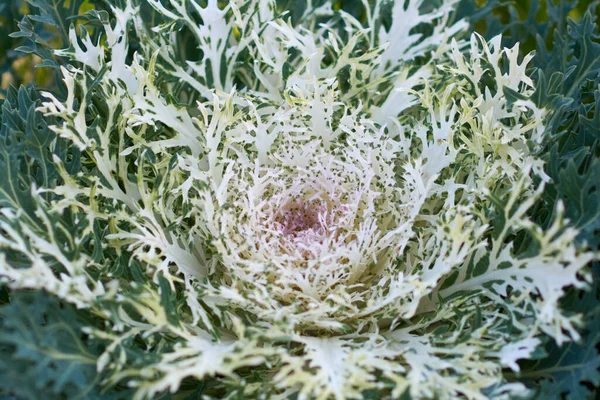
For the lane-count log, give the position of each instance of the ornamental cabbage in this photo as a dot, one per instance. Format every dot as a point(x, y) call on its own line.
point(318, 206)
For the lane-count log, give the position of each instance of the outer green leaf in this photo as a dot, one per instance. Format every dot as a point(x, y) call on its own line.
point(43, 353)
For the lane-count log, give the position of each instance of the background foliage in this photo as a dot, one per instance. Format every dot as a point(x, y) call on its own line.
point(42, 349)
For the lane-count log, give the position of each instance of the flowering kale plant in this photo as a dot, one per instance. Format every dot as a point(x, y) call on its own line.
point(303, 200)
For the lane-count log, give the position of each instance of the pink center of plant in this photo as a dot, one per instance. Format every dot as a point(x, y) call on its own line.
point(304, 222)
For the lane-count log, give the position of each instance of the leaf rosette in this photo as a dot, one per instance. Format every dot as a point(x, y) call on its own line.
point(313, 225)
point(343, 206)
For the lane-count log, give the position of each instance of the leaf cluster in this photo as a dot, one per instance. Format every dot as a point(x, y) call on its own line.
point(43, 350)
point(566, 39)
